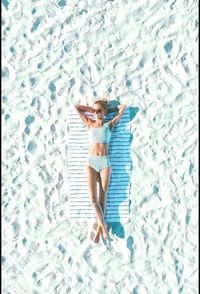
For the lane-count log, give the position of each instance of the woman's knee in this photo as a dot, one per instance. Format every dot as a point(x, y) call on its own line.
point(96, 204)
point(102, 205)
point(104, 188)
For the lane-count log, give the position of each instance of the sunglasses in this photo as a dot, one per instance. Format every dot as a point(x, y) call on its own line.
point(97, 110)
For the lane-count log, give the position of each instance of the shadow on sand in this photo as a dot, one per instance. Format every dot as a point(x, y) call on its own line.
point(117, 228)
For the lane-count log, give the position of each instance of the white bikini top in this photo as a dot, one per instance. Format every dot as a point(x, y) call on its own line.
point(100, 135)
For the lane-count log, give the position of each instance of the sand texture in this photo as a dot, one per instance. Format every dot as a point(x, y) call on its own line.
point(139, 53)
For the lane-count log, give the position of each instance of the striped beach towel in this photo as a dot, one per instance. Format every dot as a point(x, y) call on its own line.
point(117, 203)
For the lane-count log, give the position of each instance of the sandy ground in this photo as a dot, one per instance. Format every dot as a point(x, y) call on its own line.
point(143, 54)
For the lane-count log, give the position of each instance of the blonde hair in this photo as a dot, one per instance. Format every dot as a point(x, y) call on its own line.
point(103, 102)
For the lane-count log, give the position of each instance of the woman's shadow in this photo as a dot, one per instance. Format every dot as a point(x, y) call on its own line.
point(119, 151)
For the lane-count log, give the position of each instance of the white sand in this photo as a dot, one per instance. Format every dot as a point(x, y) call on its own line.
point(144, 54)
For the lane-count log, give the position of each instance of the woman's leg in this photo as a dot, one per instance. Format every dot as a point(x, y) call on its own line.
point(103, 187)
point(91, 181)
point(100, 199)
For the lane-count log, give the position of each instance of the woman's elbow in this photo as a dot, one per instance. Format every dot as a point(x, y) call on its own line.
point(76, 106)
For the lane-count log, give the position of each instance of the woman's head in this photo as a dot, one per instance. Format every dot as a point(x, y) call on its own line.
point(100, 107)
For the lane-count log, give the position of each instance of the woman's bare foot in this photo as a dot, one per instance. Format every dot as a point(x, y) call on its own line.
point(99, 233)
point(97, 237)
point(96, 232)
point(104, 231)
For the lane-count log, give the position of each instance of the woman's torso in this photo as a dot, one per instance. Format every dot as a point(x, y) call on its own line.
point(99, 139)
point(99, 149)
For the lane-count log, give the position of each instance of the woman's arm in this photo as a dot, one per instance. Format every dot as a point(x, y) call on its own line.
point(80, 110)
point(83, 108)
point(121, 109)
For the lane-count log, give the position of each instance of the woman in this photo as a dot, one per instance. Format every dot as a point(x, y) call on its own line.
point(98, 166)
